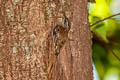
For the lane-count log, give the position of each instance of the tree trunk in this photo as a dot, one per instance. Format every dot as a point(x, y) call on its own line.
point(26, 46)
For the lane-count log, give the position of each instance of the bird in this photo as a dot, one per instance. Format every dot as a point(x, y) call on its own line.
point(60, 34)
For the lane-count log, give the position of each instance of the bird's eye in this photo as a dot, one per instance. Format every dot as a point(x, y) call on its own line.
point(58, 29)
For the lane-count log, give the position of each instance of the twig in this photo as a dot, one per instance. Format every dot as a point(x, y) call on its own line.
point(104, 43)
point(104, 19)
point(100, 39)
point(112, 52)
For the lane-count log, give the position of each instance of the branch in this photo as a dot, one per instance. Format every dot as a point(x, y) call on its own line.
point(103, 42)
point(93, 1)
point(100, 39)
point(109, 48)
point(104, 19)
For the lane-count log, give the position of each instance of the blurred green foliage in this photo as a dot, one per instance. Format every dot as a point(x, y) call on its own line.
point(107, 65)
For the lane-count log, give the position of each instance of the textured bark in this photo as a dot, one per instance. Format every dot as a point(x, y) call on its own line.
point(75, 59)
point(26, 46)
point(81, 48)
point(22, 40)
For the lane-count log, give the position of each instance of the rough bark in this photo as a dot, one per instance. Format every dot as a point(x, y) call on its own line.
point(82, 56)
point(75, 59)
point(26, 46)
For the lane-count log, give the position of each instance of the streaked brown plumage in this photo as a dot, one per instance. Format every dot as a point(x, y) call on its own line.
point(60, 35)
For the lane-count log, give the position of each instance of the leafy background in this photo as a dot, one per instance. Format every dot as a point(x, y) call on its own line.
point(106, 38)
